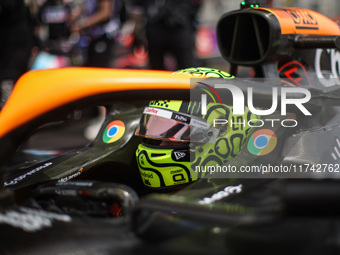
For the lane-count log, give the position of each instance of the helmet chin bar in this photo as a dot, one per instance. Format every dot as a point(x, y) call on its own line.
point(164, 166)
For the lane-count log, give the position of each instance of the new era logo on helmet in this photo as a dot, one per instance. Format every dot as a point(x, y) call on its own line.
point(179, 154)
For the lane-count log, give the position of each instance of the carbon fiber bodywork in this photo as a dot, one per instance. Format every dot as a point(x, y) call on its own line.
point(91, 200)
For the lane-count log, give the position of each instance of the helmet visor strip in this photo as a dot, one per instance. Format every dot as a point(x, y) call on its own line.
point(172, 126)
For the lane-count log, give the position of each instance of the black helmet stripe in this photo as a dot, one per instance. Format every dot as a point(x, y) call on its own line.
point(185, 107)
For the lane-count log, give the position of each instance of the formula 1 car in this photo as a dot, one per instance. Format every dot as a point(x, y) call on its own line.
point(278, 194)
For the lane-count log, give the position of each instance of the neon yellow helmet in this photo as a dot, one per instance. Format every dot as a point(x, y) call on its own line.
point(177, 138)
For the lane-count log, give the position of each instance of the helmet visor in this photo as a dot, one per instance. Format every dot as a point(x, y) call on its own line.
point(172, 126)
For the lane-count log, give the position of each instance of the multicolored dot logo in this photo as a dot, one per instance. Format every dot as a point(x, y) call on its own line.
point(114, 131)
point(262, 142)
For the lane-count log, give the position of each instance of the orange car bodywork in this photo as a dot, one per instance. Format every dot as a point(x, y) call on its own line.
point(304, 21)
point(38, 92)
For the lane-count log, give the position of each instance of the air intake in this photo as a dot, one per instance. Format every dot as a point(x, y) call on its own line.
point(253, 36)
point(244, 37)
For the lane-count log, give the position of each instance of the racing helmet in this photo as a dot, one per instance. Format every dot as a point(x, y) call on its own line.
point(178, 140)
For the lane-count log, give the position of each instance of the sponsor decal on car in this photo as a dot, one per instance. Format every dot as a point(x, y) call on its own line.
point(67, 178)
point(227, 191)
point(31, 220)
point(27, 174)
point(262, 142)
point(114, 131)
